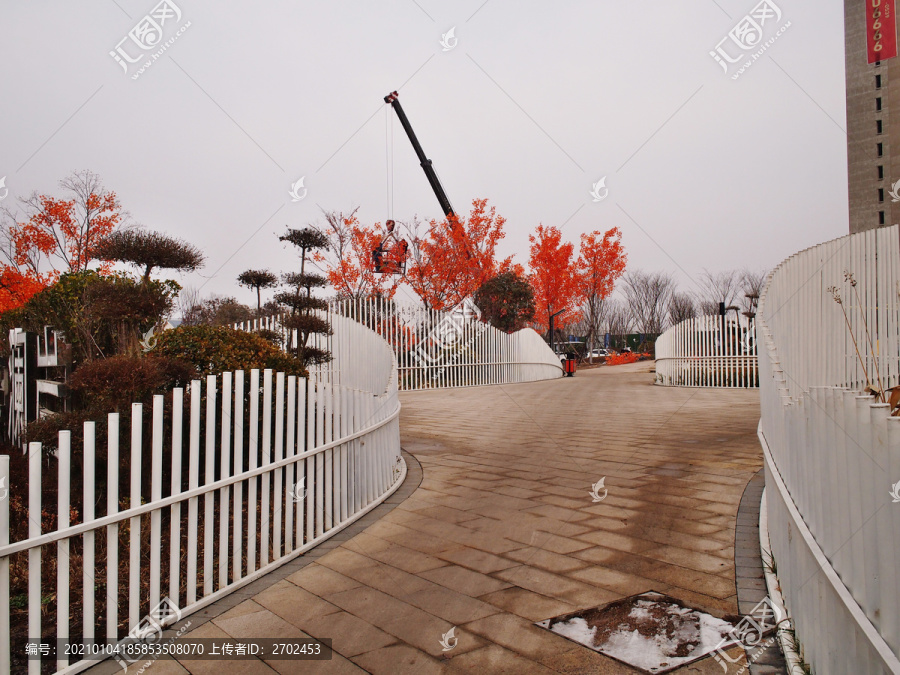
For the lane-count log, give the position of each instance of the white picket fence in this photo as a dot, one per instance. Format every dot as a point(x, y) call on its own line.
point(693, 353)
point(240, 481)
point(440, 349)
point(832, 453)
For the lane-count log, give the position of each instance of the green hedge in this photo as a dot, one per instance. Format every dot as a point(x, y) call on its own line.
point(215, 349)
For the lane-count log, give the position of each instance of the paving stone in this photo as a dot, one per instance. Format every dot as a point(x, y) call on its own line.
point(464, 580)
point(480, 561)
point(695, 560)
point(527, 604)
point(323, 580)
point(613, 580)
point(522, 637)
point(497, 659)
point(294, 604)
point(402, 660)
point(350, 635)
point(548, 560)
point(264, 624)
point(457, 608)
point(159, 667)
point(336, 665)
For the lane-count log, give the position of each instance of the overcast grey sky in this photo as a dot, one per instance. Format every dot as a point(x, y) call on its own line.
point(532, 104)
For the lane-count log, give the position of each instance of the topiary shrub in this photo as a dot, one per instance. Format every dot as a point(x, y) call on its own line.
point(119, 381)
point(215, 349)
point(109, 385)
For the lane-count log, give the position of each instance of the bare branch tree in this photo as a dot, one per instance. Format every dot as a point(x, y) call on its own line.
point(752, 285)
point(718, 287)
point(618, 318)
point(189, 303)
point(681, 308)
point(648, 296)
point(211, 311)
point(8, 223)
point(594, 312)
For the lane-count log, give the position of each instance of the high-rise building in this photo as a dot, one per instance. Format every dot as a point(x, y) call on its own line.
point(873, 91)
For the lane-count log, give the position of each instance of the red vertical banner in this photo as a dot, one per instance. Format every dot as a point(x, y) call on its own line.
point(881, 30)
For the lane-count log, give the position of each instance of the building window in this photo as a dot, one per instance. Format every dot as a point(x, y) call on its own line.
point(879, 126)
point(881, 194)
point(880, 147)
point(878, 81)
point(878, 103)
point(881, 217)
point(880, 173)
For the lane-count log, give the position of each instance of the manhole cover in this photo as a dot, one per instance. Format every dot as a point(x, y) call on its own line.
point(651, 631)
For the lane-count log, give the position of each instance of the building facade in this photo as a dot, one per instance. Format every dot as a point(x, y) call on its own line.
point(873, 92)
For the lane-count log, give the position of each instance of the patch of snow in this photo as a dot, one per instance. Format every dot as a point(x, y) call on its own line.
point(641, 613)
point(713, 631)
point(657, 651)
point(576, 629)
point(648, 653)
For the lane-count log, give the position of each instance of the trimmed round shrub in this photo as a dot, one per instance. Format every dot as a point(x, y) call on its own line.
point(215, 349)
point(109, 384)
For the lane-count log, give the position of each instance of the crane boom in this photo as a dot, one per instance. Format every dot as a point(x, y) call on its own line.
point(423, 160)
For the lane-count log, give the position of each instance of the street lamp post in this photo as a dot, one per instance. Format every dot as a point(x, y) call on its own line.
point(553, 316)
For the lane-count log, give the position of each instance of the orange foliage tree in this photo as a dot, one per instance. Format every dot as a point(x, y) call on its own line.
point(60, 233)
point(347, 259)
point(456, 256)
point(552, 276)
point(17, 286)
point(600, 263)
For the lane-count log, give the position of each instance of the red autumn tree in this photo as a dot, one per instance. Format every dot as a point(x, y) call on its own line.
point(59, 234)
point(456, 256)
point(347, 259)
point(600, 263)
point(67, 231)
point(17, 286)
point(552, 276)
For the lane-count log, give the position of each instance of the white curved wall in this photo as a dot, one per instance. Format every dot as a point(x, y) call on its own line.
point(832, 453)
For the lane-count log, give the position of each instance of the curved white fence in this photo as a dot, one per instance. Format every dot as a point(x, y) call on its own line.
point(832, 453)
point(708, 352)
point(441, 349)
point(222, 488)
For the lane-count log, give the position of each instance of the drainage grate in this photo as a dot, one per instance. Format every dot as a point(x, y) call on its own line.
point(651, 631)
